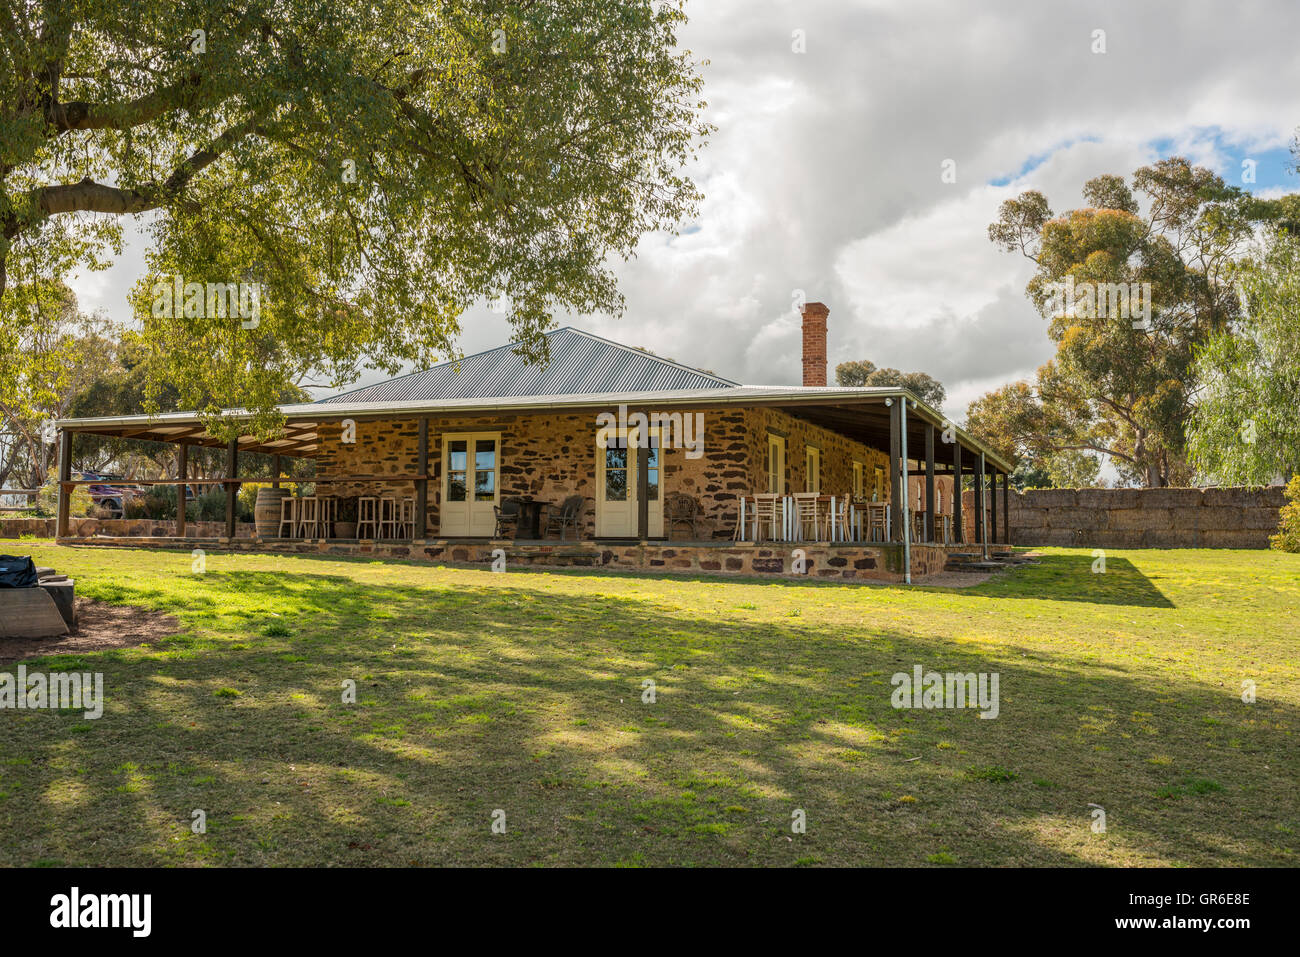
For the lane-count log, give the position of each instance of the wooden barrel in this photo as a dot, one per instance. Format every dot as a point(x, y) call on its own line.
point(266, 511)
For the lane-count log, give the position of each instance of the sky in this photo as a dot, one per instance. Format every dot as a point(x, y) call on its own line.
point(835, 122)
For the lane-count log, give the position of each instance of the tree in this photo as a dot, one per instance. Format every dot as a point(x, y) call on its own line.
point(1151, 288)
point(1244, 429)
point(365, 172)
point(1019, 425)
point(58, 353)
point(120, 387)
point(865, 373)
point(1287, 538)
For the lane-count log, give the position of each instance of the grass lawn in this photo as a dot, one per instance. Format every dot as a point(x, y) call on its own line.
point(522, 692)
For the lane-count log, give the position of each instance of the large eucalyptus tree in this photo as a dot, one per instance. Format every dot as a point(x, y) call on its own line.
point(371, 169)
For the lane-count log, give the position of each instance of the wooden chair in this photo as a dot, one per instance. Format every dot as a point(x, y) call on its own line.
point(682, 509)
point(809, 517)
point(877, 522)
point(367, 516)
point(769, 513)
point(507, 514)
point(566, 516)
point(289, 516)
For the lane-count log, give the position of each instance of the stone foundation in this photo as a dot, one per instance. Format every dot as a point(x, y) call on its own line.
point(832, 562)
point(123, 527)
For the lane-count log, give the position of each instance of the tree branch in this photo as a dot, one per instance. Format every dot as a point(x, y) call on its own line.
point(91, 197)
point(66, 117)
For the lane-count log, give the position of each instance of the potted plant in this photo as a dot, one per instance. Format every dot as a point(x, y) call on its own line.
point(345, 523)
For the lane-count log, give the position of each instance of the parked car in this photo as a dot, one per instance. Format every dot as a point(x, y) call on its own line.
point(107, 494)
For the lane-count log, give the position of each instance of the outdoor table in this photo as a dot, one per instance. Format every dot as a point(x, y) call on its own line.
point(530, 516)
point(356, 499)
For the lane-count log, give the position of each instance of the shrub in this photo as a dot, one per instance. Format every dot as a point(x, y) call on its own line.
point(157, 504)
point(1287, 538)
point(208, 507)
point(160, 503)
point(47, 501)
point(248, 498)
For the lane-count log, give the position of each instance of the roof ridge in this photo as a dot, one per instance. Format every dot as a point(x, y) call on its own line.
point(706, 378)
point(646, 352)
point(444, 362)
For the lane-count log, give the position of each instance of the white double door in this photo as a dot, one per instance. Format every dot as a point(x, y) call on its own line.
point(471, 487)
point(617, 482)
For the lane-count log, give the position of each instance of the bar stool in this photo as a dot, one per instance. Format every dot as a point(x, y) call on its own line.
point(308, 517)
point(288, 516)
point(388, 517)
point(328, 513)
point(367, 516)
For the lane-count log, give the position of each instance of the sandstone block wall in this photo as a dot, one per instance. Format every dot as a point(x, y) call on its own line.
point(553, 455)
point(1238, 517)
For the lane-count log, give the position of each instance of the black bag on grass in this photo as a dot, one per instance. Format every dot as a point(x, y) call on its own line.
point(17, 572)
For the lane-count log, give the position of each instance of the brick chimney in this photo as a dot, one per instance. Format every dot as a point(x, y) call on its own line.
point(814, 343)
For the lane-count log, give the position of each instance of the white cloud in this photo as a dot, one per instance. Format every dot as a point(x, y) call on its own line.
point(824, 172)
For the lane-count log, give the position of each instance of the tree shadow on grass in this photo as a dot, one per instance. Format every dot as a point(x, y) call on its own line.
point(502, 696)
point(1073, 578)
point(1055, 577)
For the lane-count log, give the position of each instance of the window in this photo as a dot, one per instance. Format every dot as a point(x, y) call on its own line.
point(485, 470)
point(652, 469)
point(775, 464)
point(457, 457)
point(616, 468)
point(858, 480)
point(813, 469)
point(878, 492)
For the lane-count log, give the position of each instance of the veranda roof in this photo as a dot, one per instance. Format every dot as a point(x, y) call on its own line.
point(858, 413)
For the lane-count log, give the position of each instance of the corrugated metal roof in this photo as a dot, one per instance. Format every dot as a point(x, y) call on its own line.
point(727, 395)
point(581, 364)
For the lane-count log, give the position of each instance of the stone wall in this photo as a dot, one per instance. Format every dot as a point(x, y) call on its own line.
point(837, 455)
point(550, 456)
point(1146, 518)
point(125, 527)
